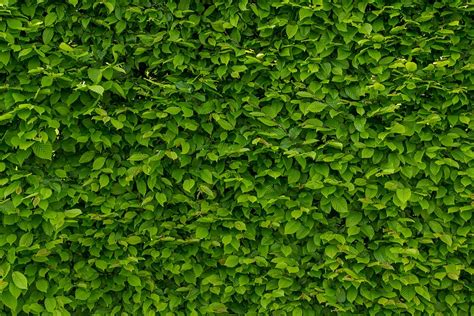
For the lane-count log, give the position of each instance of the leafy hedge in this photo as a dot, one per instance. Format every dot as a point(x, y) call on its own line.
point(268, 157)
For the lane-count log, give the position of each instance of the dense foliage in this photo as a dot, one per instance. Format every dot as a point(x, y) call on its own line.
point(269, 157)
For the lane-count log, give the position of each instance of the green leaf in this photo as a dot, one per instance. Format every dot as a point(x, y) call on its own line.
point(87, 157)
point(48, 35)
point(403, 194)
point(225, 125)
point(206, 175)
point(4, 57)
point(353, 218)
point(82, 294)
point(293, 176)
point(450, 299)
point(50, 304)
point(50, 19)
point(365, 28)
point(339, 204)
point(134, 280)
point(240, 225)
point(95, 75)
point(43, 150)
point(331, 251)
point(178, 60)
point(9, 300)
point(304, 13)
point(375, 54)
point(292, 227)
point(408, 293)
point(423, 291)
point(291, 30)
point(202, 232)
point(161, 198)
point(98, 163)
point(138, 157)
point(42, 285)
point(73, 213)
point(20, 280)
point(411, 66)
point(188, 184)
point(103, 180)
point(134, 240)
point(231, 261)
point(26, 240)
point(65, 47)
point(97, 89)
point(14, 24)
point(284, 283)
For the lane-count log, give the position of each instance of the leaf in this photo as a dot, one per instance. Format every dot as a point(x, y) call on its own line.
point(65, 47)
point(87, 157)
point(202, 232)
point(14, 24)
point(9, 300)
point(48, 35)
point(291, 30)
point(446, 239)
point(316, 107)
point(450, 299)
point(98, 163)
point(403, 194)
point(50, 304)
point(82, 294)
point(304, 13)
point(408, 293)
point(293, 176)
point(42, 285)
point(103, 180)
point(240, 225)
point(292, 227)
point(331, 251)
point(73, 213)
point(267, 121)
point(20, 280)
point(188, 184)
point(161, 198)
point(43, 150)
point(339, 204)
point(4, 58)
point(135, 281)
point(138, 157)
point(375, 54)
point(97, 89)
point(411, 66)
point(50, 19)
point(95, 75)
point(116, 123)
point(365, 28)
point(423, 292)
point(134, 240)
point(353, 218)
point(26, 240)
point(225, 125)
point(206, 175)
point(120, 26)
point(284, 283)
point(178, 60)
point(231, 261)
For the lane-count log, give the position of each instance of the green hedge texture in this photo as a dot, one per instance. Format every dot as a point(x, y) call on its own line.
point(269, 157)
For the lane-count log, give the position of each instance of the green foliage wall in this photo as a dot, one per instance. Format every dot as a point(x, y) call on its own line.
point(269, 157)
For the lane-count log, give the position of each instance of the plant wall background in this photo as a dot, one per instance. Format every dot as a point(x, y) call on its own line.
point(269, 157)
